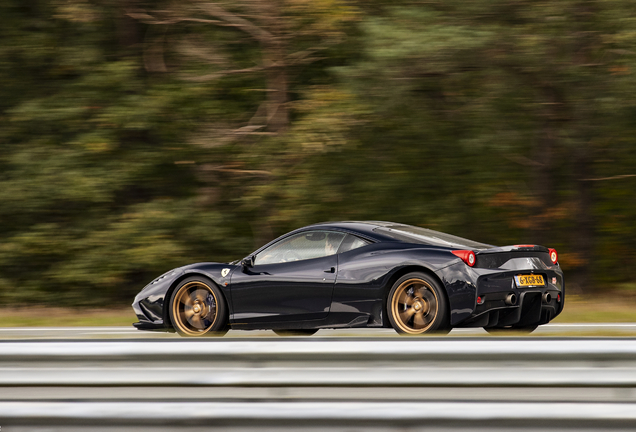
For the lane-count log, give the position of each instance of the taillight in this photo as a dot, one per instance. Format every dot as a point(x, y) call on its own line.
point(467, 256)
point(554, 256)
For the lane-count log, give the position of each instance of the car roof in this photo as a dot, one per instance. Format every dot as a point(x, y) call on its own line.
point(361, 227)
point(395, 232)
point(366, 229)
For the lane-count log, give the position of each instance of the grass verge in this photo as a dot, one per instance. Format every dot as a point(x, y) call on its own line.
point(613, 309)
point(40, 316)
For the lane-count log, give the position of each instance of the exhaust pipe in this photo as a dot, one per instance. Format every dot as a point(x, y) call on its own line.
point(511, 299)
point(547, 297)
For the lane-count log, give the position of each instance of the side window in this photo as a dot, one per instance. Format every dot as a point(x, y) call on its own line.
point(352, 242)
point(301, 246)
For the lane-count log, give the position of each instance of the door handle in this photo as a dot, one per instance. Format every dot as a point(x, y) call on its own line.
point(331, 270)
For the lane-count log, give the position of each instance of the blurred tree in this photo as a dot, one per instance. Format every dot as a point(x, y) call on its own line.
point(124, 155)
point(137, 136)
point(263, 52)
point(95, 184)
point(482, 119)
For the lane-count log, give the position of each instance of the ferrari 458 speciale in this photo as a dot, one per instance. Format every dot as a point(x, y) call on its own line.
point(360, 274)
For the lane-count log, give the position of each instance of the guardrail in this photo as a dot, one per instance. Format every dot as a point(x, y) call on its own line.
point(278, 383)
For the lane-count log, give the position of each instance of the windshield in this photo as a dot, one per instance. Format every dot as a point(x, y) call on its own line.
point(413, 234)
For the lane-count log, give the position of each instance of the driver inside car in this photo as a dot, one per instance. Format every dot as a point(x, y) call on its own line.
point(331, 245)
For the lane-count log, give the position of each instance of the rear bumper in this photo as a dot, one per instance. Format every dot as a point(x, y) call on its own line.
point(530, 309)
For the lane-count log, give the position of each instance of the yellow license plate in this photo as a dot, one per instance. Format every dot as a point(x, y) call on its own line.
point(529, 280)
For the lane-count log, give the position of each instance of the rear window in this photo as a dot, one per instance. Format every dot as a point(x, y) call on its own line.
point(351, 242)
point(413, 234)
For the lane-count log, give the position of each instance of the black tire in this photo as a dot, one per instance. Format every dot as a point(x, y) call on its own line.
point(417, 305)
point(298, 332)
point(197, 308)
point(507, 331)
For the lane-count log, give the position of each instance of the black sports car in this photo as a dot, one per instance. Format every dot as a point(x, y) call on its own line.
point(360, 274)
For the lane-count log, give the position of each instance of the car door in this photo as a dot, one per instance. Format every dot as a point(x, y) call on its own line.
point(291, 280)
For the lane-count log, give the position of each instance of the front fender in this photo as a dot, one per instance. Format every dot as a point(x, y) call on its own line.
point(215, 272)
point(149, 304)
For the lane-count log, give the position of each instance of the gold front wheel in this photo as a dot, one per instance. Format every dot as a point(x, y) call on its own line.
point(197, 308)
point(416, 305)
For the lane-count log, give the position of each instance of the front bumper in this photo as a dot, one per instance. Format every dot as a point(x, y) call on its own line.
point(160, 327)
point(149, 303)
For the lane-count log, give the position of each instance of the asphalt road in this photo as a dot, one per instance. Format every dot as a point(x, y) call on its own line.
point(129, 332)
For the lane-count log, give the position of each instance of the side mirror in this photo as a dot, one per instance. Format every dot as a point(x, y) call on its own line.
point(248, 262)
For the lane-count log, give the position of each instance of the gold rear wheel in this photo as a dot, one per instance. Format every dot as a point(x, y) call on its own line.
point(416, 305)
point(198, 308)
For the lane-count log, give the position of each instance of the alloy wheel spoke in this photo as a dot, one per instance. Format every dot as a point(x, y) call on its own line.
point(405, 299)
point(188, 312)
point(428, 318)
point(431, 301)
point(428, 296)
point(199, 295)
point(406, 315)
point(418, 320)
point(420, 291)
point(195, 321)
point(186, 300)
